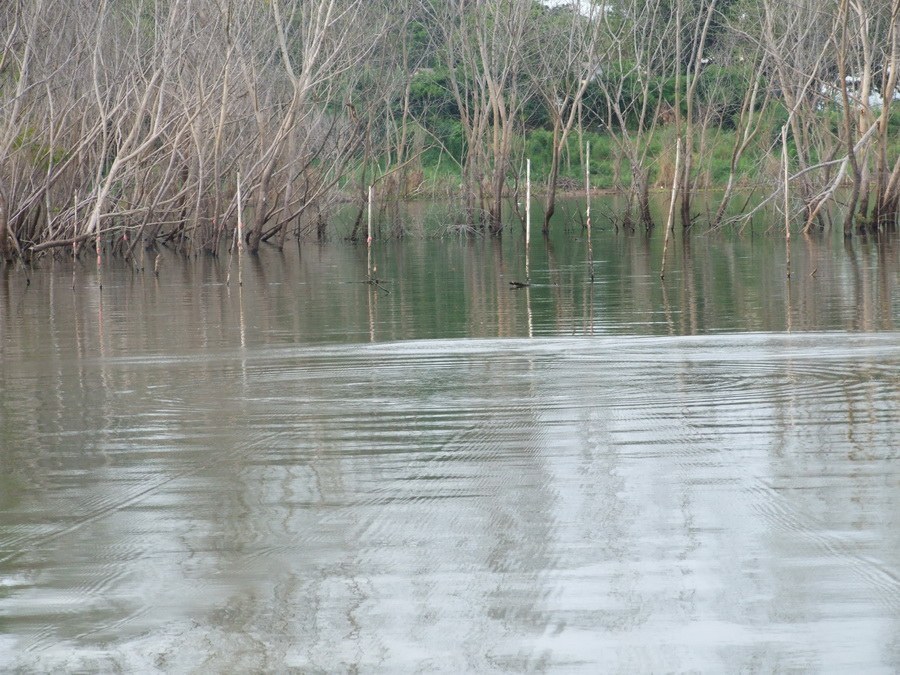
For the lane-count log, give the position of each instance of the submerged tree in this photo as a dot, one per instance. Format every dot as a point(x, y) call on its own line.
point(564, 54)
point(634, 85)
point(479, 44)
point(132, 123)
point(140, 118)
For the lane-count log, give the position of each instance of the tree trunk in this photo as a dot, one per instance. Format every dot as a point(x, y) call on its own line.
point(6, 248)
point(550, 208)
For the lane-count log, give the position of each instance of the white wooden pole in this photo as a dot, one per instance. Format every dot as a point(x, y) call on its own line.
point(670, 221)
point(527, 222)
point(587, 184)
point(369, 234)
point(527, 203)
point(787, 205)
point(240, 229)
point(240, 216)
point(369, 237)
point(76, 228)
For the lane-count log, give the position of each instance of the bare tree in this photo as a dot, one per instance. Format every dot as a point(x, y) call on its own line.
point(643, 54)
point(480, 47)
point(563, 52)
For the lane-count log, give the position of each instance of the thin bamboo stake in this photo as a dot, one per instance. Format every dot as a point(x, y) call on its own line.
point(372, 291)
point(528, 245)
point(670, 221)
point(527, 203)
point(240, 217)
point(99, 258)
point(527, 215)
point(240, 225)
point(587, 185)
point(787, 206)
point(369, 220)
point(369, 237)
point(587, 196)
point(75, 241)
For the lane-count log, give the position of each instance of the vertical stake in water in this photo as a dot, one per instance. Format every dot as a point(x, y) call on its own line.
point(240, 229)
point(787, 206)
point(370, 278)
point(240, 250)
point(587, 198)
point(670, 221)
point(587, 185)
point(369, 236)
point(99, 258)
point(527, 215)
point(528, 243)
point(74, 241)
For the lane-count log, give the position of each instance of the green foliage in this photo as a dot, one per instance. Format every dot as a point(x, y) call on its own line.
point(624, 83)
point(451, 134)
point(40, 156)
point(723, 88)
point(430, 94)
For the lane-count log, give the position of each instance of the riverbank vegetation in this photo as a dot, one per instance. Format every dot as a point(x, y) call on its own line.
point(168, 122)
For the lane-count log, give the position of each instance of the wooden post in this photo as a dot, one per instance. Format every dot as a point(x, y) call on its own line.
point(369, 237)
point(369, 220)
point(670, 221)
point(587, 198)
point(75, 229)
point(787, 205)
point(75, 240)
point(587, 184)
point(527, 203)
point(527, 217)
point(240, 217)
point(240, 225)
point(99, 258)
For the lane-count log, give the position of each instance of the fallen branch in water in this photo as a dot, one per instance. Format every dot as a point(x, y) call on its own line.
point(373, 281)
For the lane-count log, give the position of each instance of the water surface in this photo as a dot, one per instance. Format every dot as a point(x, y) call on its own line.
point(307, 472)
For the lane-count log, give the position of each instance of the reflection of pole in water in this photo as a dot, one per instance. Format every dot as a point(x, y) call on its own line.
point(241, 319)
point(812, 252)
point(587, 301)
point(667, 309)
point(371, 292)
point(242, 328)
point(885, 244)
point(590, 252)
point(790, 307)
point(528, 310)
point(590, 255)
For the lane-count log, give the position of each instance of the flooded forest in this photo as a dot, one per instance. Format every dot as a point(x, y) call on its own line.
point(464, 336)
point(191, 124)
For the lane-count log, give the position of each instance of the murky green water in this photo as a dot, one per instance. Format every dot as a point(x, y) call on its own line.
point(310, 473)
